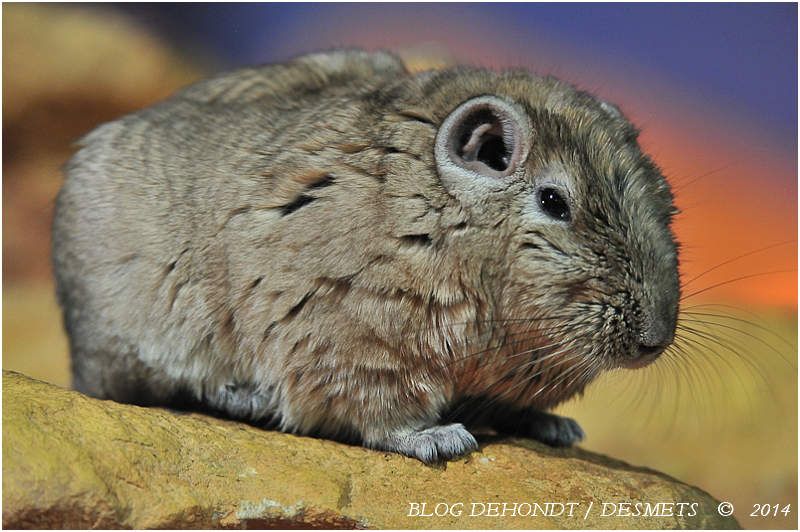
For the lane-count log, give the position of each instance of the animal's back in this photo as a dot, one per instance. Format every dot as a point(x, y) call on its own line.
point(139, 226)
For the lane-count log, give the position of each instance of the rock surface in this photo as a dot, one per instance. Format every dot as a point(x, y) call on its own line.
point(74, 462)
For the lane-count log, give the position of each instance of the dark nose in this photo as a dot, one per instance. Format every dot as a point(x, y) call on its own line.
point(657, 332)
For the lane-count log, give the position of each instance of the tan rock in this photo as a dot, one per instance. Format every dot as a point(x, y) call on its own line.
point(74, 462)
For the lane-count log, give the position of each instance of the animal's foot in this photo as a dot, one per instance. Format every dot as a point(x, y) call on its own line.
point(554, 430)
point(434, 444)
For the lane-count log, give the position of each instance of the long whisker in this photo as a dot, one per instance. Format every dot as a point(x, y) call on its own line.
point(745, 333)
point(734, 259)
point(727, 347)
point(729, 281)
point(741, 387)
point(744, 321)
point(505, 394)
point(562, 377)
point(681, 186)
point(504, 344)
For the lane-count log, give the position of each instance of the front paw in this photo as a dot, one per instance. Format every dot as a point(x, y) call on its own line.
point(554, 430)
point(431, 445)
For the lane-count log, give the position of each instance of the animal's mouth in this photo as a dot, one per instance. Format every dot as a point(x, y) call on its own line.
point(646, 356)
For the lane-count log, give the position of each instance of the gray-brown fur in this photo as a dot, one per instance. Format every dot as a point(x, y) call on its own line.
point(278, 244)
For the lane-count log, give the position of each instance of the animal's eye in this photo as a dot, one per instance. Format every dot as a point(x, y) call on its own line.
point(554, 204)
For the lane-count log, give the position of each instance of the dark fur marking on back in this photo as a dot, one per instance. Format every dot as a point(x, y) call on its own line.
point(174, 293)
point(301, 201)
point(326, 181)
point(173, 263)
point(416, 117)
point(298, 307)
point(394, 150)
point(417, 240)
point(304, 199)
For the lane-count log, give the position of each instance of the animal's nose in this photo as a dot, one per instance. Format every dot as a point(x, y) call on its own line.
point(651, 350)
point(656, 333)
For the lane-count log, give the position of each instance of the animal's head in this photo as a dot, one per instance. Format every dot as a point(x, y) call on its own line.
point(578, 217)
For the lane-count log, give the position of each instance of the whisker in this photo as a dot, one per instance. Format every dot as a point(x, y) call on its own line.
point(734, 259)
point(741, 320)
point(679, 187)
point(562, 377)
point(492, 401)
point(727, 347)
point(745, 333)
point(518, 341)
point(729, 281)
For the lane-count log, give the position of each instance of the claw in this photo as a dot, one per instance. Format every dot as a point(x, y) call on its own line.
point(431, 445)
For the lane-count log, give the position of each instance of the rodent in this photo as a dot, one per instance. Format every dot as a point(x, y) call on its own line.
point(336, 247)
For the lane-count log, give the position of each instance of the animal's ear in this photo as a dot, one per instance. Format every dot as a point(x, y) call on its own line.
point(481, 143)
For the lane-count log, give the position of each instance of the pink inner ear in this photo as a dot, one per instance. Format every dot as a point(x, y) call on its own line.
point(470, 149)
point(483, 136)
point(488, 146)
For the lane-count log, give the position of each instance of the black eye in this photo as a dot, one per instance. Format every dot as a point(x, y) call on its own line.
point(554, 204)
